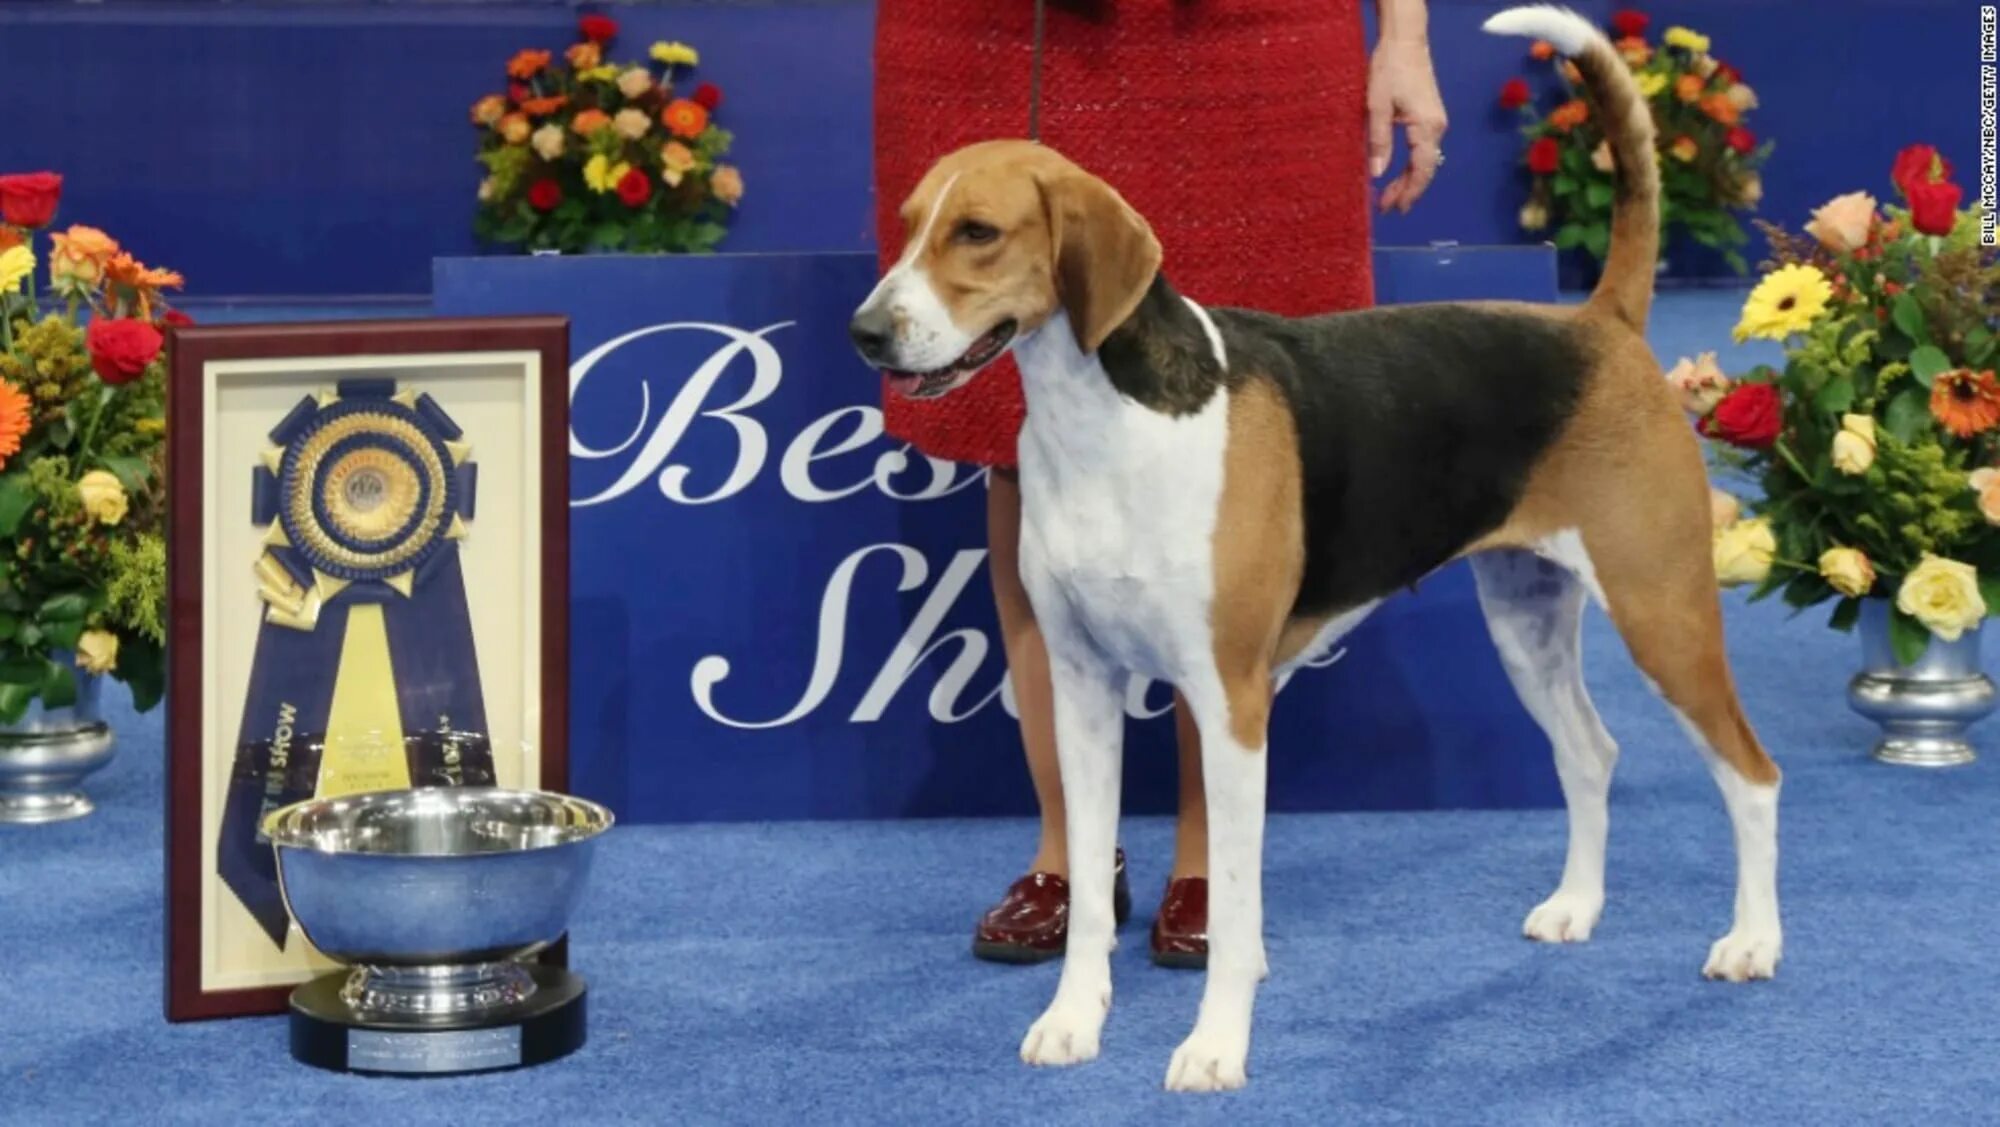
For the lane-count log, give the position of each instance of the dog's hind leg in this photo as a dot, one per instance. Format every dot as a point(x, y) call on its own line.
point(1090, 732)
point(1232, 714)
point(1534, 610)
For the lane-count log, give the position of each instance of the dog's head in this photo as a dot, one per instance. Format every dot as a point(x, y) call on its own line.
point(1000, 238)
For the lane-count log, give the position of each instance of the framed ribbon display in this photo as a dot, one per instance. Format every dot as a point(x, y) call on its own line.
point(368, 583)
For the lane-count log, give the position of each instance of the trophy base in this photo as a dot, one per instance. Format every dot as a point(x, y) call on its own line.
point(328, 1032)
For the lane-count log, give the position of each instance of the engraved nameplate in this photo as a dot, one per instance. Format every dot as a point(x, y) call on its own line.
point(459, 1050)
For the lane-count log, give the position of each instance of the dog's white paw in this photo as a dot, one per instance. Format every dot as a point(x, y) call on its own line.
point(1746, 953)
point(1210, 1060)
point(1566, 917)
point(1064, 1034)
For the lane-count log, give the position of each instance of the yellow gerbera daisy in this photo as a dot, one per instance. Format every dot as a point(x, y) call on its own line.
point(606, 73)
point(1651, 84)
point(17, 414)
point(1784, 303)
point(1687, 39)
point(676, 53)
point(602, 175)
point(16, 263)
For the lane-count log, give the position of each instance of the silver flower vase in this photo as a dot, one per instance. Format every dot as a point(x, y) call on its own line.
point(48, 752)
point(1924, 709)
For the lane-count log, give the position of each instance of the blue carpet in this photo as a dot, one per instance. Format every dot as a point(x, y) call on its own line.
point(775, 974)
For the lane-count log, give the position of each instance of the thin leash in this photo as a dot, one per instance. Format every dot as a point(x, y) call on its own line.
point(1035, 77)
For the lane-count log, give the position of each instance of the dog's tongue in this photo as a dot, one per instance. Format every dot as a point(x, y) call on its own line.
point(903, 383)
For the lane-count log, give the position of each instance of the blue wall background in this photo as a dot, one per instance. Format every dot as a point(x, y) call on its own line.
point(322, 147)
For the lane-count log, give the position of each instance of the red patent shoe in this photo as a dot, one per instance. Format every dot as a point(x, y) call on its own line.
point(1031, 923)
point(1180, 931)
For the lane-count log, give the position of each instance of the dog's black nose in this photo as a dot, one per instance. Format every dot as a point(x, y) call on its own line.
point(870, 330)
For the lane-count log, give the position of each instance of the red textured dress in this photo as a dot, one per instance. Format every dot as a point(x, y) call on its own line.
point(1238, 128)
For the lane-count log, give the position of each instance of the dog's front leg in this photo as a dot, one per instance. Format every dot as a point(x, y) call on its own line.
point(1232, 718)
point(1090, 739)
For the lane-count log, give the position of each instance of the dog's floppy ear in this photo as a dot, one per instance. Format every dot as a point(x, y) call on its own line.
point(1105, 254)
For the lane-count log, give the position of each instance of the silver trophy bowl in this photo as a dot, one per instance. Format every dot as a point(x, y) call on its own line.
point(435, 896)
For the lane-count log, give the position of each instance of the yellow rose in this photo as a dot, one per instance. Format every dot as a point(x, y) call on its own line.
point(676, 161)
point(514, 128)
point(1986, 483)
point(1723, 509)
point(635, 82)
point(1742, 97)
point(1534, 216)
point(103, 497)
point(548, 141)
point(97, 651)
point(1847, 571)
point(1854, 446)
point(1748, 191)
point(1843, 222)
point(675, 53)
point(16, 263)
point(1743, 552)
point(1943, 595)
point(1687, 39)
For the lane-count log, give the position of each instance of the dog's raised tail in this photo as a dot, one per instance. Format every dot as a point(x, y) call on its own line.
point(1625, 290)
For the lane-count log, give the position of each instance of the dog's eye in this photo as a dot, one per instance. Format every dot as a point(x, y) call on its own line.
point(976, 233)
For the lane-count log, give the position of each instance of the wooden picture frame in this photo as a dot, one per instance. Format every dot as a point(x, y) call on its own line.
point(485, 405)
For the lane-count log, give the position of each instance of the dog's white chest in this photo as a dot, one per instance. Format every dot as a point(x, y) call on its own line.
point(1119, 511)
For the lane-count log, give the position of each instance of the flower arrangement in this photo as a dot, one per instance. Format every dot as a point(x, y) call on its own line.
point(1709, 157)
point(589, 154)
point(1877, 445)
point(82, 422)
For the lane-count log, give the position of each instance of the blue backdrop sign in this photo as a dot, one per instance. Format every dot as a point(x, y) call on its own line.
point(780, 612)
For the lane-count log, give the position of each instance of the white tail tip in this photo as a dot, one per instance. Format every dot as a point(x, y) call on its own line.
point(1570, 33)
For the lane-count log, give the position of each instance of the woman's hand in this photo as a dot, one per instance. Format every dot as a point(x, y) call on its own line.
point(1403, 90)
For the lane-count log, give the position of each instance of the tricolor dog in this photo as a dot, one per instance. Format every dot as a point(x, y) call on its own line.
point(1212, 496)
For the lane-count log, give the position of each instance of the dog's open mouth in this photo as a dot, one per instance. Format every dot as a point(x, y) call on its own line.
point(925, 385)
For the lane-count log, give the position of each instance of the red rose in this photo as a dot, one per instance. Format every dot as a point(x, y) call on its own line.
point(1543, 156)
point(1914, 165)
point(1629, 23)
point(1933, 206)
point(1729, 75)
point(1740, 139)
point(28, 199)
point(598, 29)
point(708, 95)
point(1514, 94)
point(1750, 415)
point(120, 349)
point(518, 93)
point(176, 318)
point(544, 195)
point(636, 188)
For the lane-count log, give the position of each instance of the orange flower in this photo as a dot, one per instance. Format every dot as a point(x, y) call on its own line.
point(1719, 107)
point(487, 110)
point(85, 244)
point(583, 56)
point(1966, 402)
point(543, 107)
point(527, 64)
point(590, 121)
point(1687, 87)
point(1569, 115)
point(1684, 148)
point(16, 415)
point(1543, 49)
point(1635, 50)
point(685, 118)
point(152, 279)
